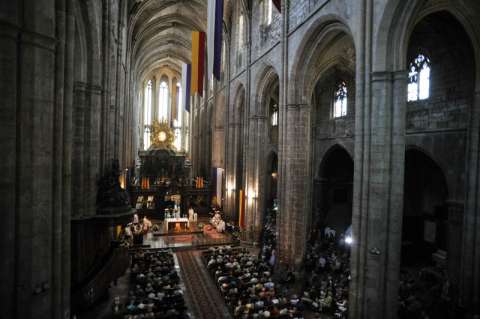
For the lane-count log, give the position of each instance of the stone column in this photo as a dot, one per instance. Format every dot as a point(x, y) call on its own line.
point(281, 235)
point(378, 198)
point(78, 149)
point(92, 138)
point(249, 178)
point(261, 170)
point(35, 168)
point(454, 235)
point(470, 280)
point(9, 54)
point(230, 172)
point(296, 184)
point(67, 157)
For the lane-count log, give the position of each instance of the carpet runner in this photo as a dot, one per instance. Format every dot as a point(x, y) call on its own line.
point(202, 294)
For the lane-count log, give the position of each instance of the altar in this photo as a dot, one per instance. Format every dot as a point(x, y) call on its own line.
point(176, 224)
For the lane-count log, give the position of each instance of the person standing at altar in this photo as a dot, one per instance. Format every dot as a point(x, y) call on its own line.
point(176, 211)
point(191, 214)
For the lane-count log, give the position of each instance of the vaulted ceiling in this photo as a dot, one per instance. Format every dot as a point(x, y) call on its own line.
point(160, 32)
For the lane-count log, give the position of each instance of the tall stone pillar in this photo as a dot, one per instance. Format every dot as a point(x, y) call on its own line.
point(296, 184)
point(470, 280)
point(251, 197)
point(93, 140)
point(9, 34)
point(378, 197)
point(261, 169)
point(230, 178)
point(34, 211)
point(455, 219)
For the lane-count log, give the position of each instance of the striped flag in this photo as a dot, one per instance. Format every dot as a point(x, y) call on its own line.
point(198, 62)
point(214, 37)
point(186, 79)
point(278, 4)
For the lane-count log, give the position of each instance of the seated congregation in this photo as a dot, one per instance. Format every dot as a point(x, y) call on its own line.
point(247, 285)
point(327, 273)
point(154, 289)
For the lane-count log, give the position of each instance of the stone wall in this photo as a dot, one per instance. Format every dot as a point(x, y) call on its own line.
point(62, 120)
point(366, 39)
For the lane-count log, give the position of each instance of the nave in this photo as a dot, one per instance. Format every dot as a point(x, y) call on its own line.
point(333, 145)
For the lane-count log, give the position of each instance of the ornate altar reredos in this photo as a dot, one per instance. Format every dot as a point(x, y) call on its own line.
point(161, 176)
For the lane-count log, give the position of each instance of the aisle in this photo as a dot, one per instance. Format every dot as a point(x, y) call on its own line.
point(202, 295)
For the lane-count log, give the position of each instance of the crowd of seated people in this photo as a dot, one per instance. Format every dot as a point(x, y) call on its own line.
point(246, 284)
point(327, 273)
point(154, 288)
point(268, 238)
point(425, 293)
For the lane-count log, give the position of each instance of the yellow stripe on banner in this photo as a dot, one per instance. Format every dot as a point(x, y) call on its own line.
point(195, 55)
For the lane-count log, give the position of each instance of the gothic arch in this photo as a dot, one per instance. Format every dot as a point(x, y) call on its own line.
point(311, 58)
point(429, 155)
point(88, 40)
point(335, 147)
point(266, 80)
point(396, 26)
point(333, 189)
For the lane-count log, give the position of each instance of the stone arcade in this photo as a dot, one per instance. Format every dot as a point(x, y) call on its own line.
point(341, 143)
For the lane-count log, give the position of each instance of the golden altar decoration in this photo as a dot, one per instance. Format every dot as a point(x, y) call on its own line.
point(161, 135)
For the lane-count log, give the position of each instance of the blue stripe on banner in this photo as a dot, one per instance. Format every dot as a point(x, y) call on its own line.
point(188, 90)
point(217, 62)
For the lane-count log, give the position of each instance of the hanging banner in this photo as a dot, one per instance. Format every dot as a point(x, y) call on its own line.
point(198, 62)
point(214, 37)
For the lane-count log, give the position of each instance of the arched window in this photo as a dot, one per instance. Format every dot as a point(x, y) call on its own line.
point(241, 31)
point(147, 114)
point(266, 12)
point(224, 60)
point(177, 123)
point(340, 100)
point(210, 86)
point(419, 79)
point(274, 115)
point(163, 102)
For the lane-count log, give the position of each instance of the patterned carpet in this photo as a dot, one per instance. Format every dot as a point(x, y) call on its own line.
point(202, 295)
